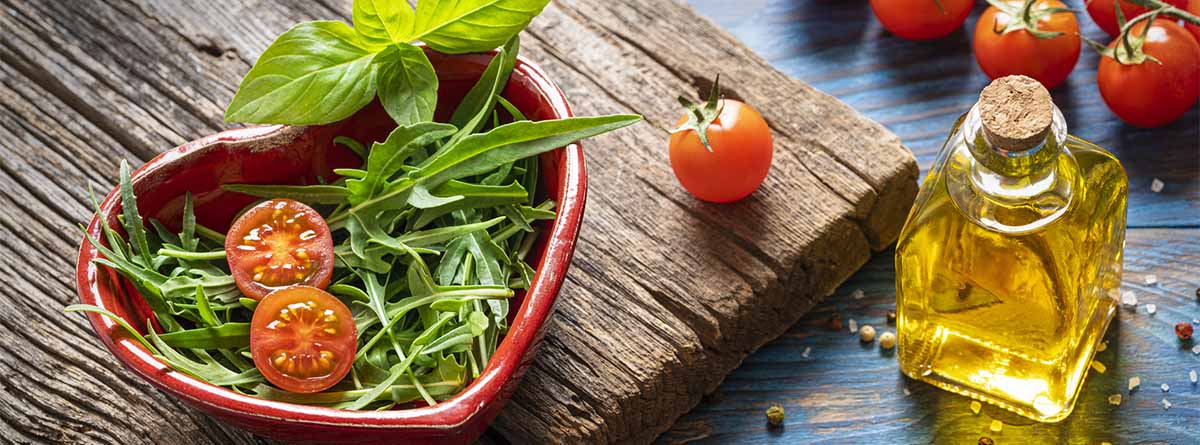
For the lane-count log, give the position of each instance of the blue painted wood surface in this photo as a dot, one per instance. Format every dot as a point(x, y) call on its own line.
point(846, 392)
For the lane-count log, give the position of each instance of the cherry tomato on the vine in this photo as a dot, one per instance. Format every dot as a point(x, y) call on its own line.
point(740, 157)
point(1151, 94)
point(276, 244)
point(1193, 7)
point(302, 339)
point(1019, 51)
point(921, 19)
point(1105, 15)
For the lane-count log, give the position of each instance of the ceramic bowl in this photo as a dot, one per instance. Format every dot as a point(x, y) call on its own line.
point(298, 155)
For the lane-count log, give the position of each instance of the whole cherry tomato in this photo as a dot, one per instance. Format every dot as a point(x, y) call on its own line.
point(302, 339)
point(1193, 7)
point(1105, 15)
point(1019, 51)
point(740, 155)
point(276, 244)
point(1151, 94)
point(921, 19)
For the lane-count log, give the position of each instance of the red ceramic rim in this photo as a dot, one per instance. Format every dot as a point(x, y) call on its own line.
point(448, 415)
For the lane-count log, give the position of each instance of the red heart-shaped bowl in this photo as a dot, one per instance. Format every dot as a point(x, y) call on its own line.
point(297, 155)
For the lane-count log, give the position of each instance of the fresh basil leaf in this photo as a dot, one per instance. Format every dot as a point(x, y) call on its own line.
point(383, 22)
point(315, 73)
point(407, 84)
point(480, 153)
point(457, 26)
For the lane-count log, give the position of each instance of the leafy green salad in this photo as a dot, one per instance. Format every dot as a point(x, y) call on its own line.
point(389, 285)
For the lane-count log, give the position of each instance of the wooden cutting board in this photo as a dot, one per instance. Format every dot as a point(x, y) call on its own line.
point(666, 294)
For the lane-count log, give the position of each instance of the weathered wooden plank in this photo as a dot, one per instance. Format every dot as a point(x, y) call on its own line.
point(918, 89)
point(59, 384)
point(845, 392)
point(667, 294)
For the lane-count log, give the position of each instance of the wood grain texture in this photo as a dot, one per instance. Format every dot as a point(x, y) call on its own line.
point(667, 294)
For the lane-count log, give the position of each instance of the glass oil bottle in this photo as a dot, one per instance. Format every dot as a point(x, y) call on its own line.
point(1009, 265)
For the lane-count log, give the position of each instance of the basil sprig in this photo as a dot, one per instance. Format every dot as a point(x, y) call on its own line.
point(324, 71)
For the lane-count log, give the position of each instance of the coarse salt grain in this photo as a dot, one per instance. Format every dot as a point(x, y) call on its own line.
point(1196, 349)
point(907, 392)
point(1114, 399)
point(1134, 382)
point(1166, 404)
point(1128, 298)
point(1192, 376)
point(1150, 278)
point(857, 294)
point(807, 349)
point(1151, 309)
point(1165, 387)
point(853, 326)
point(1156, 185)
point(1099, 367)
point(975, 407)
point(1102, 347)
point(996, 426)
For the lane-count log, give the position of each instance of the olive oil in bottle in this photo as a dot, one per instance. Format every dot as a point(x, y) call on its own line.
point(1009, 265)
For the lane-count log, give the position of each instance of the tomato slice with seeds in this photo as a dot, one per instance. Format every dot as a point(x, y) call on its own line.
point(302, 339)
point(276, 244)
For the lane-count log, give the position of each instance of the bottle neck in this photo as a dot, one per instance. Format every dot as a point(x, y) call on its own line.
point(1014, 174)
point(1011, 191)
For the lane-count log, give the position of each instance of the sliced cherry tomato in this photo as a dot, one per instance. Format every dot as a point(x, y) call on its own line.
point(921, 19)
point(1153, 94)
point(303, 339)
point(740, 157)
point(277, 244)
point(1105, 15)
point(1018, 51)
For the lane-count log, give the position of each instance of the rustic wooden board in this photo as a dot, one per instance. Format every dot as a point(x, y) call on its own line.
point(667, 294)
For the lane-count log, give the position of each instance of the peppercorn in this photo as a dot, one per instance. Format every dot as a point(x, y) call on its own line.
point(891, 317)
point(1183, 330)
point(1198, 293)
point(986, 441)
point(775, 415)
point(866, 334)
point(834, 323)
point(887, 340)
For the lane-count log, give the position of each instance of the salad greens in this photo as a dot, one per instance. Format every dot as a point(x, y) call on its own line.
point(431, 233)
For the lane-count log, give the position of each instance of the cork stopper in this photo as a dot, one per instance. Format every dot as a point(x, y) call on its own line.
point(1016, 112)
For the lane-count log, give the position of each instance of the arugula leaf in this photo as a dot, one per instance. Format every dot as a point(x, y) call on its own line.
point(383, 22)
point(386, 158)
point(228, 335)
point(481, 98)
point(309, 194)
point(480, 153)
point(315, 73)
point(456, 27)
point(133, 221)
point(408, 85)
